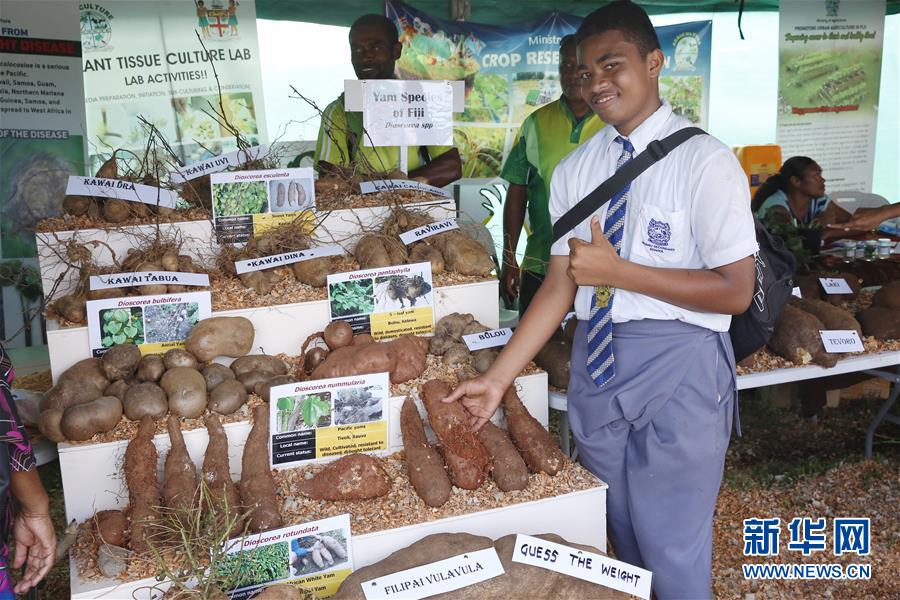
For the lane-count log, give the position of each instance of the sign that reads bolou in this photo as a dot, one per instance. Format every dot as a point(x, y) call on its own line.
point(435, 578)
point(328, 418)
point(154, 323)
point(408, 113)
point(387, 302)
point(487, 339)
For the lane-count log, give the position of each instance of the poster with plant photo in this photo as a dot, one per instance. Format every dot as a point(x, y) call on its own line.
point(154, 323)
point(328, 418)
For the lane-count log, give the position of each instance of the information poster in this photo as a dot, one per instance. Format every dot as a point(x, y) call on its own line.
point(41, 117)
point(387, 302)
point(154, 323)
point(828, 83)
point(146, 59)
point(328, 418)
point(247, 203)
point(408, 113)
point(316, 556)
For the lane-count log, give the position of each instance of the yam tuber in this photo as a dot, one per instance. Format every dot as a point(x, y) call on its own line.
point(411, 353)
point(338, 334)
point(313, 272)
point(120, 362)
point(353, 477)
point(220, 336)
point(508, 470)
point(141, 479)
point(832, 317)
point(424, 464)
point(555, 358)
point(881, 322)
point(888, 296)
point(422, 252)
point(257, 486)
point(537, 447)
point(466, 457)
point(797, 338)
point(356, 360)
point(179, 474)
point(462, 254)
point(82, 421)
point(111, 526)
point(216, 470)
point(375, 251)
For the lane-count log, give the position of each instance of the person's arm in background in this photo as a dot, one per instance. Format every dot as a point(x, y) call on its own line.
point(867, 219)
point(332, 151)
point(35, 539)
point(513, 218)
point(442, 170)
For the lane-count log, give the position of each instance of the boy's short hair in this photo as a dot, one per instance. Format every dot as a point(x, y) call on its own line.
point(566, 41)
point(624, 16)
point(374, 20)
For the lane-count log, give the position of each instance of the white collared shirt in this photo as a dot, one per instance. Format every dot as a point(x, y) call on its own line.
point(689, 211)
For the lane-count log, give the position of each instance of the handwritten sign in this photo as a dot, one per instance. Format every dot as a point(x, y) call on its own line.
point(117, 280)
point(835, 285)
point(435, 578)
point(287, 258)
point(420, 233)
point(407, 113)
point(841, 340)
point(387, 185)
point(123, 190)
point(218, 163)
point(487, 339)
point(588, 566)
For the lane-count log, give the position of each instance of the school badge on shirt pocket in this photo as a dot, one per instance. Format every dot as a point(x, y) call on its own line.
point(661, 235)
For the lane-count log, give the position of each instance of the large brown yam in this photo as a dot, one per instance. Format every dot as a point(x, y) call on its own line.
point(556, 358)
point(809, 286)
point(881, 322)
point(313, 272)
point(832, 317)
point(508, 470)
point(888, 296)
point(353, 477)
point(220, 336)
point(111, 526)
point(179, 475)
point(141, 479)
point(257, 486)
point(69, 392)
point(371, 253)
point(797, 338)
point(462, 254)
point(540, 452)
point(424, 465)
point(357, 360)
point(466, 457)
point(88, 369)
point(223, 493)
point(412, 357)
point(422, 252)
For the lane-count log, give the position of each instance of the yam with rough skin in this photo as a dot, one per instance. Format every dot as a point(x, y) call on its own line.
point(888, 296)
point(832, 317)
point(462, 254)
point(220, 336)
point(508, 470)
point(422, 252)
point(881, 322)
point(555, 358)
point(257, 487)
point(411, 353)
point(179, 474)
point(142, 482)
point(177, 357)
point(118, 389)
point(356, 360)
point(280, 591)
point(151, 289)
point(262, 282)
point(797, 338)
point(313, 272)
point(466, 457)
point(48, 424)
point(120, 362)
point(535, 443)
point(338, 334)
point(111, 526)
point(853, 281)
point(353, 477)
point(375, 251)
point(262, 363)
point(82, 421)
point(216, 469)
point(424, 464)
point(71, 307)
point(151, 368)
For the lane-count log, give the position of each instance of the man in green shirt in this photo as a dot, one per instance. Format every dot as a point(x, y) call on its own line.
point(546, 136)
point(374, 48)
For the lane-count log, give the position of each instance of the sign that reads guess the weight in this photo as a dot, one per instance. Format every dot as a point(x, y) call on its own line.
point(436, 578)
point(487, 339)
point(838, 340)
point(835, 285)
point(407, 113)
point(588, 566)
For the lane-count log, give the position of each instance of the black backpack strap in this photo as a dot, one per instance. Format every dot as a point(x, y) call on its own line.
point(656, 151)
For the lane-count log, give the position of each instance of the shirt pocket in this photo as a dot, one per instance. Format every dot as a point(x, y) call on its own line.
point(661, 237)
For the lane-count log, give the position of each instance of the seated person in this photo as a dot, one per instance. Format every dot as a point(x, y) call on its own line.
point(374, 48)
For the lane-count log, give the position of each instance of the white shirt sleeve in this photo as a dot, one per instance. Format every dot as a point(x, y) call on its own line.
point(560, 202)
point(721, 219)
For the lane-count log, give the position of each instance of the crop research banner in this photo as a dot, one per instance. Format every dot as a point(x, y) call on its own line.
point(828, 83)
point(511, 71)
point(144, 59)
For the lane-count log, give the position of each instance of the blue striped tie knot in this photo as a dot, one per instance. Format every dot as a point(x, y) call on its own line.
point(601, 363)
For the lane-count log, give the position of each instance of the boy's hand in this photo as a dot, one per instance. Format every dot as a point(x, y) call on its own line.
point(595, 263)
point(481, 396)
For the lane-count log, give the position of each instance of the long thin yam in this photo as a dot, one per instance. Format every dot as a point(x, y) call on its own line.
point(217, 471)
point(466, 457)
point(424, 465)
point(257, 484)
point(508, 470)
point(142, 481)
point(179, 474)
point(540, 452)
point(353, 477)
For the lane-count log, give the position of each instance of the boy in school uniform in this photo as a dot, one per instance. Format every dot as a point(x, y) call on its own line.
point(655, 275)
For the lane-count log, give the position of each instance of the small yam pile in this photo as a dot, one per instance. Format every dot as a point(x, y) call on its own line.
point(448, 343)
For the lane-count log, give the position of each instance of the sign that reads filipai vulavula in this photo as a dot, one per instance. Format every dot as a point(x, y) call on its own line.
point(123, 190)
point(387, 185)
point(316, 556)
point(154, 323)
point(219, 163)
point(420, 233)
point(138, 278)
point(407, 113)
point(588, 566)
point(487, 339)
point(328, 418)
point(446, 575)
point(287, 258)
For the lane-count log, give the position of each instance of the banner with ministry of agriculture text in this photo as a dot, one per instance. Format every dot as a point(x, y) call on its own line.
point(144, 59)
point(510, 71)
point(828, 82)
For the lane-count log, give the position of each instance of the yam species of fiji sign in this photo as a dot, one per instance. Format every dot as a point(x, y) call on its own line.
point(386, 302)
point(435, 578)
point(247, 203)
point(154, 323)
point(123, 190)
point(407, 113)
point(588, 566)
point(316, 556)
point(219, 163)
point(328, 418)
point(117, 280)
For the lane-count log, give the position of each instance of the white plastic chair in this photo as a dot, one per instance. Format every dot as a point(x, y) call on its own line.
point(850, 201)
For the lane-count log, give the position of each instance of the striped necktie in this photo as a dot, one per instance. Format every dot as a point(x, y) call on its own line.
point(601, 362)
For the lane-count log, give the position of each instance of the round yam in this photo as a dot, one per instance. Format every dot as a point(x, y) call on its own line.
point(215, 374)
point(227, 397)
point(220, 336)
point(120, 362)
point(83, 421)
point(145, 399)
point(186, 392)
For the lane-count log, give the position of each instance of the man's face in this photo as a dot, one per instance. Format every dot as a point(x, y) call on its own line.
point(811, 182)
point(568, 72)
point(618, 84)
point(371, 53)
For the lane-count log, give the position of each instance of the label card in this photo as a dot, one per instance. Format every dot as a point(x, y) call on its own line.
point(487, 339)
point(155, 323)
point(328, 418)
point(436, 578)
point(247, 203)
point(407, 113)
point(292, 555)
point(386, 302)
point(835, 285)
point(218, 163)
point(420, 233)
point(841, 340)
point(123, 190)
point(588, 566)
point(117, 280)
point(278, 260)
point(387, 185)
point(796, 292)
